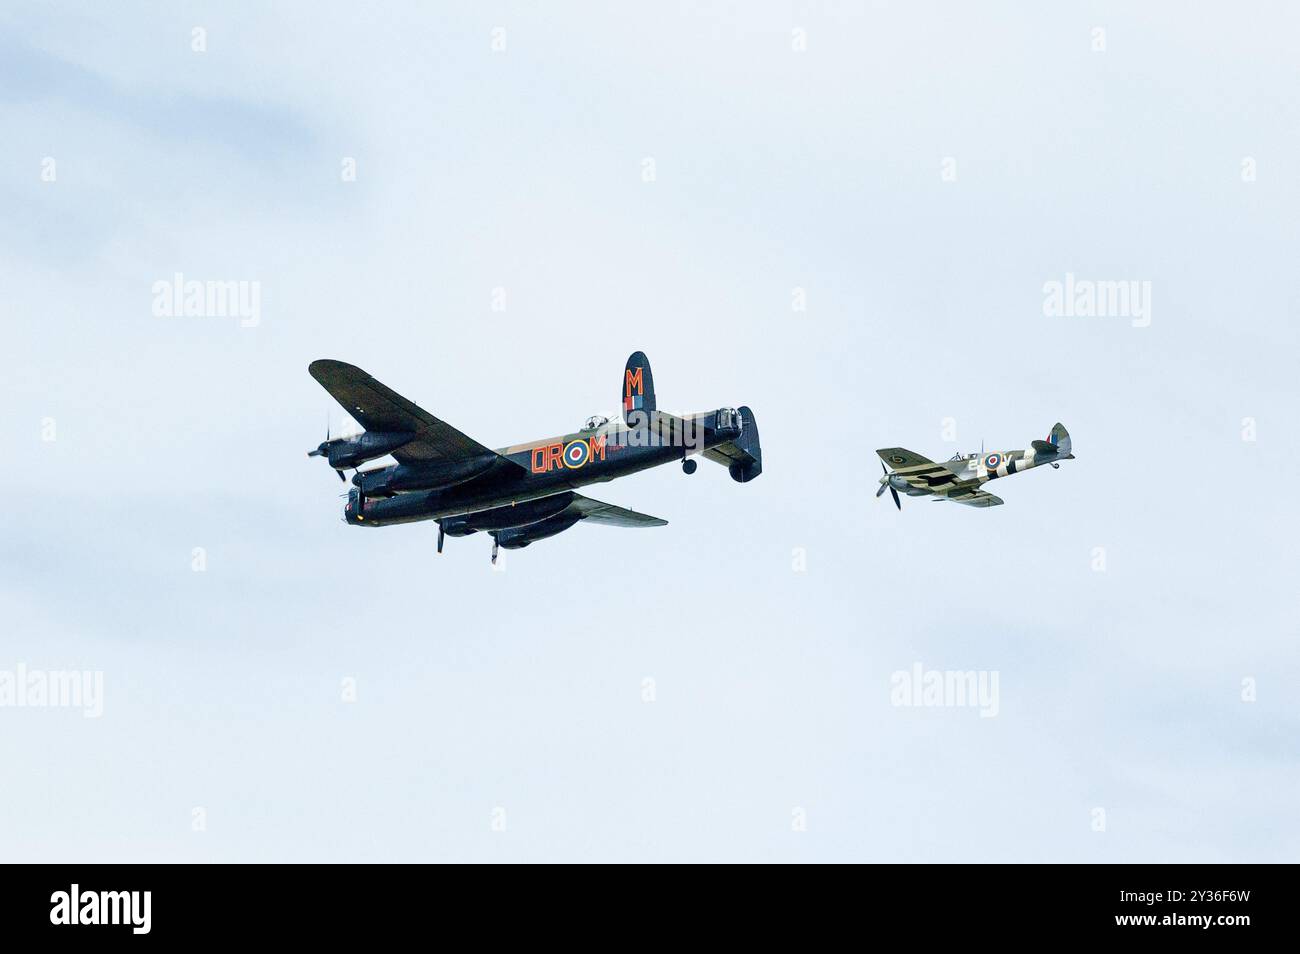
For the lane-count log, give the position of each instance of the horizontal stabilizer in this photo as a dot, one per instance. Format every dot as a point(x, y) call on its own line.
point(743, 457)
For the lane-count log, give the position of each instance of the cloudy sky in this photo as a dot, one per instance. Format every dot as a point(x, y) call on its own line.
point(841, 214)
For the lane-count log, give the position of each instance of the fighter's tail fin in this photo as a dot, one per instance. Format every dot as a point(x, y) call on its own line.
point(638, 394)
point(1058, 442)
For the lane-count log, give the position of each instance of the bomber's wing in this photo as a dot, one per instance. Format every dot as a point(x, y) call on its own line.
point(377, 407)
point(598, 512)
point(974, 498)
point(920, 472)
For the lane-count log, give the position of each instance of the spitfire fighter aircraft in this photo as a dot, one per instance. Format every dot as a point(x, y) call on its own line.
point(525, 492)
point(960, 479)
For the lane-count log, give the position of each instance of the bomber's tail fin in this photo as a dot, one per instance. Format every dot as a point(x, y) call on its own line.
point(638, 395)
point(1058, 442)
point(743, 457)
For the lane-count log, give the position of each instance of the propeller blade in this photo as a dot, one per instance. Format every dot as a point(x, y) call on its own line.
point(439, 538)
point(881, 490)
point(321, 450)
point(494, 550)
point(341, 477)
point(883, 469)
point(897, 503)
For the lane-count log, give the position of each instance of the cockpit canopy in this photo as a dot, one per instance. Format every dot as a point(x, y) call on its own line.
point(728, 419)
point(595, 421)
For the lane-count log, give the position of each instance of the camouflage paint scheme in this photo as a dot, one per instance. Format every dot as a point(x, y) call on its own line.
point(524, 492)
point(960, 479)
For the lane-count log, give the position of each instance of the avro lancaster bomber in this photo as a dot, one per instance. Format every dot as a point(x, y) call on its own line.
point(526, 492)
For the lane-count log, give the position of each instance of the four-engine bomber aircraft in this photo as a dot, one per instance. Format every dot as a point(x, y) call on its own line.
point(526, 492)
point(959, 479)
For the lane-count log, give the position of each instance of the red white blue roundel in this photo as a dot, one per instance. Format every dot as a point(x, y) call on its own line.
point(576, 453)
point(992, 461)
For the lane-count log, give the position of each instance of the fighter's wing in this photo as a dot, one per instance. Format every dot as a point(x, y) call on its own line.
point(974, 498)
point(901, 459)
point(598, 512)
point(377, 407)
point(918, 471)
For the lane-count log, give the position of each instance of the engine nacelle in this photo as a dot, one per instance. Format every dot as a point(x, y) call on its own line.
point(423, 475)
point(456, 526)
point(347, 452)
point(520, 537)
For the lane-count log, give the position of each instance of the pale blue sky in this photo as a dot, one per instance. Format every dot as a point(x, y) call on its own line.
point(522, 689)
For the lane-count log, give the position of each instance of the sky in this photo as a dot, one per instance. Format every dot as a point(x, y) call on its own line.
point(843, 215)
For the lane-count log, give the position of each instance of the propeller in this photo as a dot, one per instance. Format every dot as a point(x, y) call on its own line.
point(494, 551)
point(440, 535)
point(885, 483)
point(324, 449)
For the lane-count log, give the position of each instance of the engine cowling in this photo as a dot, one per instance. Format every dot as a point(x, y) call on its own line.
point(347, 452)
point(423, 475)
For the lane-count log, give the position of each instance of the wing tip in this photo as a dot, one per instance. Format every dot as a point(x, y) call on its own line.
point(326, 367)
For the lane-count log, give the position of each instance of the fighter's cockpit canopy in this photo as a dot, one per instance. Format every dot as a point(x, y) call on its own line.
point(595, 421)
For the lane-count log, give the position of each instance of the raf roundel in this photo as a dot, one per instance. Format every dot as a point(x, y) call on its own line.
point(576, 454)
point(992, 461)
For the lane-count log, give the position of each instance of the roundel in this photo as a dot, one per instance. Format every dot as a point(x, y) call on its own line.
point(576, 454)
point(992, 461)
point(898, 459)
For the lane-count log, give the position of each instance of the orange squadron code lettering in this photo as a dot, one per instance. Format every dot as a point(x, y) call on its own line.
point(572, 455)
point(633, 378)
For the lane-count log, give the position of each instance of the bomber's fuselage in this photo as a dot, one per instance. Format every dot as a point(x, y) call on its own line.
point(533, 470)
